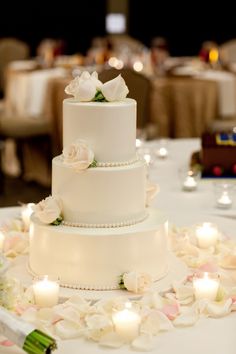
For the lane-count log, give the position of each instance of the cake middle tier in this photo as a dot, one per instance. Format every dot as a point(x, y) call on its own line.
point(100, 196)
point(109, 128)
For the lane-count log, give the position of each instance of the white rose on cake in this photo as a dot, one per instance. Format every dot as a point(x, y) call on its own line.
point(48, 211)
point(135, 282)
point(86, 88)
point(78, 155)
point(115, 90)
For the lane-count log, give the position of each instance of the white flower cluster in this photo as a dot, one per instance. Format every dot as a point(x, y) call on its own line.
point(87, 88)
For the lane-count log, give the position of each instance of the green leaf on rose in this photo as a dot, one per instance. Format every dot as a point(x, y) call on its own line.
point(58, 221)
point(94, 163)
point(121, 282)
point(99, 97)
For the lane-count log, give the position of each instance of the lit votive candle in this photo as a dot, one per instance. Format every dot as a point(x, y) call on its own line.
point(147, 158)
point(205, 287)
point(46, 292)
point(224, 201)
point(26, 212)
point(127, 323)
point(162, 152)
point(189, 183)
point(139, 143)
point(207, 235)
point(2, 239)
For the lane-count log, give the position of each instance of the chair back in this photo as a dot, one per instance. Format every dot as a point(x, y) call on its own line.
point(11, 49)
point(228, 52)
point(139, 89)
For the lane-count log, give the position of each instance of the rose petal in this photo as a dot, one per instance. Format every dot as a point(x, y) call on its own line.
point(188, 317)
point(228, 262)
point(67, 330)
point(216, 309)
point(171, 310)
point(111, 340)
point(143, 343)
point(115, 90)
point(151, 324)
point(6, 343)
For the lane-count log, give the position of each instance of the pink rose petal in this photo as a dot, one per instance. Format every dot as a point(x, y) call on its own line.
point(208, 267)
point(6, 343)
point(233, 299)
point(171, 311)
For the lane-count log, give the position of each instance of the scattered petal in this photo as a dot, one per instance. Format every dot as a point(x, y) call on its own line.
point(216, 309)
point(143, 343)
point(67, 330)
point(111, 340)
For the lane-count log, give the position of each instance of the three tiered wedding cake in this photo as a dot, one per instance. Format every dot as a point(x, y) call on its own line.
point(96, 225)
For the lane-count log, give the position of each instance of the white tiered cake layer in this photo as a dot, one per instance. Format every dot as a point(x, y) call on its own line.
point(95, 258)
point(109, 128)
point(100, 196)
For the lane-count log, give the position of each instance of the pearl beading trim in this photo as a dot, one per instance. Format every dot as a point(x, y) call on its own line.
point(112, 225)
point(90, 287)
point(78, 286)
point(117, 164)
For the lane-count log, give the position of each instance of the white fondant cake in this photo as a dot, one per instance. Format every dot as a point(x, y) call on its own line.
point(112, 195)
point(109, 127)
point(94, 258)
point(99, 190)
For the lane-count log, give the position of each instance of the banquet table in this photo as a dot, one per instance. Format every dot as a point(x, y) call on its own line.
point(208, 335)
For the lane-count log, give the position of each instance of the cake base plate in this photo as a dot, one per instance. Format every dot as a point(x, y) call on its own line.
point(177, 271)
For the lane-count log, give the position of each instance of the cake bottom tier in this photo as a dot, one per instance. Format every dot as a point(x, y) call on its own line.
point(94, 259)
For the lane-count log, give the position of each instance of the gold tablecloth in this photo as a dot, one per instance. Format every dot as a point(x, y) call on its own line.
point(183, 107)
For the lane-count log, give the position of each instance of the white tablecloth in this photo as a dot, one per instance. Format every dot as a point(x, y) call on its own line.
point(208, 336)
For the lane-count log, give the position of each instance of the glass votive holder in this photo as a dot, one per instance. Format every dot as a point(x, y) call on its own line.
point(127, 323)
point(2, 240)
point(207, 234)
point(188, 179)
point(46, 291)
point(206, 285)
point(141, 137)
point(162, 151)
point(223, 195)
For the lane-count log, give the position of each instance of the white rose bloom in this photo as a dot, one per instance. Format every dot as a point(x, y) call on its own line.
point(48, 210)
point(137, 282)
point(78, 155)
point(84, 87)
point(115, 90)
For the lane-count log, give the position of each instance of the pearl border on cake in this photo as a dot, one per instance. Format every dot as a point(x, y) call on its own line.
point(112, 225)
point(117, 164)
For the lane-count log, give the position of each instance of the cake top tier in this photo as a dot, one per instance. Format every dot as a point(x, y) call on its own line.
point(87, 88)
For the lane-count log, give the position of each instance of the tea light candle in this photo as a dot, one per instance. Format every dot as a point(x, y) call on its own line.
point(162, 152)
point(207, 235)
point(139, 143)
point(46, 292)
point(127, 323)
point(205, 287)
point(189, 183)
point(224, 201)
point(2, 239)
point(26, 212)
point(147, 158)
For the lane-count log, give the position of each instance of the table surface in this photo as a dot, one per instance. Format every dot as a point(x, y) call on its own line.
point(182, 208)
